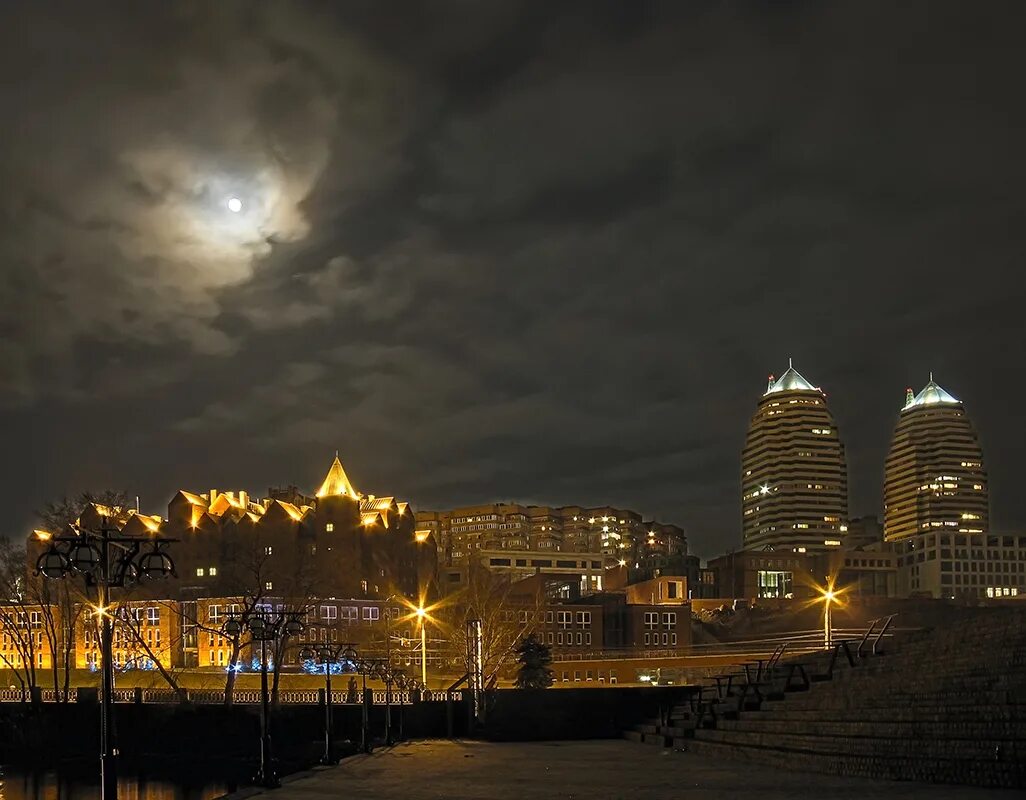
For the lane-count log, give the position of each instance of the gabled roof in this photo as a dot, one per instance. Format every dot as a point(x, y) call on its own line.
point(791, 381)
point(932, 394)
point(336, 482)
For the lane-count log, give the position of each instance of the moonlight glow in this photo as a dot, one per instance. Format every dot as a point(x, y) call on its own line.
point(234, 205)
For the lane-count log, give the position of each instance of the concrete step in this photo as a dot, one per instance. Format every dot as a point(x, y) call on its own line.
point(910, 748)
point(927, 713)
point(1004, 773)
point(882, 728)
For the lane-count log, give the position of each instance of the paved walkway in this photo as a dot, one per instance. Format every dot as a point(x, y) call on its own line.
point(589, 770)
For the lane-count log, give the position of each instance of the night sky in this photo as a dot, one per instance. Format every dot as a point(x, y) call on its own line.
point(500, 251)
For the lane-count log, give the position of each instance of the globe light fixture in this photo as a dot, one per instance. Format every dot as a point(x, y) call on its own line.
point(156, 564)
point(84, 557)
point(234, 205)
point(53, 564)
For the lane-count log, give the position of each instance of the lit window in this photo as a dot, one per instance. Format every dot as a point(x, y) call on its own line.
point(212, 571)
point(268, 585)
point(329, 527)
point(268, 550)
point(199, 572)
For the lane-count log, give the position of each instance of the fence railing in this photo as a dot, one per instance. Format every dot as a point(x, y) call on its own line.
point(239, 696)
point(797, 641)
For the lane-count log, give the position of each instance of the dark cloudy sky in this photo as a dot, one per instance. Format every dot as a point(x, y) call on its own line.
point(538, 251)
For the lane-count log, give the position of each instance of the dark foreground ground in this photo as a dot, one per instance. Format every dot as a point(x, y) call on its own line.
point(589, 770)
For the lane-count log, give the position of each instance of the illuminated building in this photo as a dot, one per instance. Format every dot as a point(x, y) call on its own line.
point(762, 574)
point(794, 477)
point(28, 635)
point(936, 506)
point(934, 476)
point(144, 633)
point(615, 533)
point(336, 542)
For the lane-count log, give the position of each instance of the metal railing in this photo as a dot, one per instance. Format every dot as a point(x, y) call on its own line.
point(797, 642)
point(239, 696)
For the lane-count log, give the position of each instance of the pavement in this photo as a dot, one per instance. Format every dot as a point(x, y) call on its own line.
point(589, 770)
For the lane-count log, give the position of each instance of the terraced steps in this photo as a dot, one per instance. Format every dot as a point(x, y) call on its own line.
point(947, 705)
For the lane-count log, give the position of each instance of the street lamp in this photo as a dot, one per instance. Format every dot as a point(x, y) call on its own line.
point(422, 619)
point(328, 655)
point(106, 561)
point(829, 598)
point(265, 627)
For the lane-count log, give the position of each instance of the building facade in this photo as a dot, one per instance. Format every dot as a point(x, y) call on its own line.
point(794, 475)
point(336, 542)
point(618, 534)
point(763, 574)
point(934, 476)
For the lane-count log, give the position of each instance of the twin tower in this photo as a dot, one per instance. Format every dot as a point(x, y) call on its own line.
point(794, 476)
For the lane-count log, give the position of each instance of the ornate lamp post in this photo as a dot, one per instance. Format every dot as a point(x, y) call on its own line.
point(328, 655)
point(106, 561)
point(264, 627)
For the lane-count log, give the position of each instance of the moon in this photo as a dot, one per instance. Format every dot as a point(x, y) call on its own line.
point(234, 205)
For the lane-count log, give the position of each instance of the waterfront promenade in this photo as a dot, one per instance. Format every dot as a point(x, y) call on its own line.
point(589, 770)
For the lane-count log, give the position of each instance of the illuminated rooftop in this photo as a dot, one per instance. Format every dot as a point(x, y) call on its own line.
point(336, 482)
point(791, 381)
point(932, 394)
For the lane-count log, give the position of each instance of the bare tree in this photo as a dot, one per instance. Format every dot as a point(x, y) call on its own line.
point(506, 616)
point(20, 623)
point(62, 602)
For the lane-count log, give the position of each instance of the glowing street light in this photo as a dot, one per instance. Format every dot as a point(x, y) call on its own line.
point(422, 618)
point(234, 205)
point(829, 598)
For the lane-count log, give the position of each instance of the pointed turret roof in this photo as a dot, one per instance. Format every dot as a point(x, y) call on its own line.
point(931, 394)
point(336, 482)
point(791, 381)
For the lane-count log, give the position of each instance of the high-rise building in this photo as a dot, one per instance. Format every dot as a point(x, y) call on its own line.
point(934, 476)
point(794, 477)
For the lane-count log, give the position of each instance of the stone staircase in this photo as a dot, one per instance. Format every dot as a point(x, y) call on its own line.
point(946, 705)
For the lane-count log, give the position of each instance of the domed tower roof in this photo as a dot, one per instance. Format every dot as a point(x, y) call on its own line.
point(791, 381)
point(932, 394)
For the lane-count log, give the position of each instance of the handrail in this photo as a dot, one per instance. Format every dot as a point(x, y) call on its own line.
point(883, 630)
point(869, 632)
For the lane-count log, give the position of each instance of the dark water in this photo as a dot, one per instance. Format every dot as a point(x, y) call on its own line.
point(79, 784)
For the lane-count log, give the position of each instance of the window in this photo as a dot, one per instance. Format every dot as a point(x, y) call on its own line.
point(670, 620)
point(268, 585)
point(268, 550)
point(651, 621)
point(152, 615)
point(565, 618)
point(329, 612)
point(329, 527)
point(584, 619)
point(580, 637)
point(647, 637)
point(212, 572)
point(350, 613)
point(214, 615)
point(559, 638)
point(199, 572)
point(370, 613)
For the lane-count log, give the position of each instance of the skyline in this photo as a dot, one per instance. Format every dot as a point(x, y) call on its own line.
point(502, 252)
point(943, 395)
